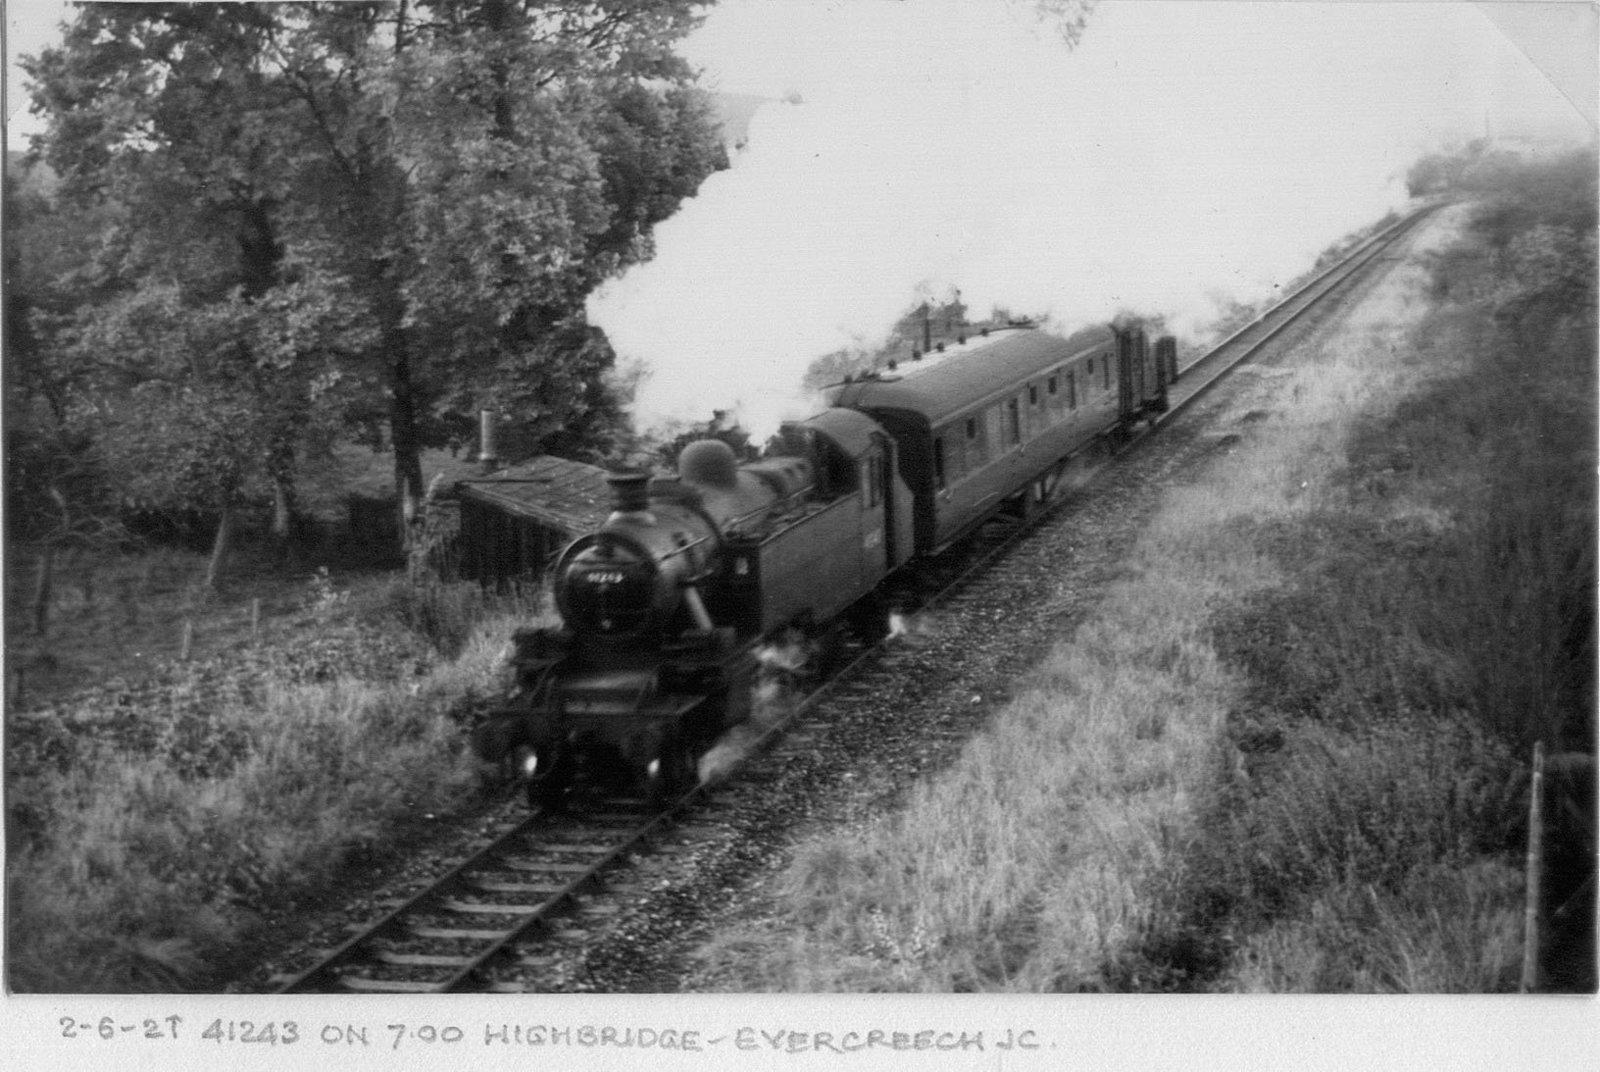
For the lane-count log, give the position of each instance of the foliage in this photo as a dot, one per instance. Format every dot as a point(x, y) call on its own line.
point(717, 428)
point(58, 484)
point(929, 322)
point(350, 220)
point(1419, 656)
point(154, 826)
point(1441, 172)
point(1515, 193)
point(200, 346)
point(1067, 19)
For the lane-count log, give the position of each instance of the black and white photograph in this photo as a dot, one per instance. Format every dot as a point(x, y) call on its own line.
point(797, 533)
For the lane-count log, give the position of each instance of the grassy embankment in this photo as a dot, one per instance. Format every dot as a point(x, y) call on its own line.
point(153, 825)
point(119, 612)
point(1290, 752)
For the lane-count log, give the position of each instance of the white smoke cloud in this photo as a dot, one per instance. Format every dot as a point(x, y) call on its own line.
point(1184, 154)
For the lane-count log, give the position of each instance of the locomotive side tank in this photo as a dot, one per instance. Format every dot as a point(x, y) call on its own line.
point(855, 531)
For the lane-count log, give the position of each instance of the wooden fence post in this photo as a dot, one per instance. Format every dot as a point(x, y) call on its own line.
point(188, 639)
point(255, 618)
point(1530, 919)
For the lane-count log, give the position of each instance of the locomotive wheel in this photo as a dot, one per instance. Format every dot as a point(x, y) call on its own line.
point(678, 772)
point(550, 791)
point(869, 618)
point(831, 652)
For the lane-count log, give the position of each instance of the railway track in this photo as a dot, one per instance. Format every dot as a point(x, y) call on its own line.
point(1207, 370)
point(497, 919)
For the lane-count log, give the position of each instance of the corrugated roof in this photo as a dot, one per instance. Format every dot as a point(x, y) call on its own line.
point(960, 377)
point(571, 496)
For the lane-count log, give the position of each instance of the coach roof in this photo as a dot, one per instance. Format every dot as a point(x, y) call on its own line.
point(852, 431)
point(968, 374)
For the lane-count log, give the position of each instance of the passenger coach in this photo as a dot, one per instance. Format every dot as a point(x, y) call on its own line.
point(989, 424)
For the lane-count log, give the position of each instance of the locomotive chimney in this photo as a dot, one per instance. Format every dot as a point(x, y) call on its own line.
point(487, 456)
point(630, 491)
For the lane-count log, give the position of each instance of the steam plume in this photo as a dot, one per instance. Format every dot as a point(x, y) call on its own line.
point(1184, 155)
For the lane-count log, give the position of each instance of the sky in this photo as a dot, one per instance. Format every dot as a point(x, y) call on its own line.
point(1182, 156)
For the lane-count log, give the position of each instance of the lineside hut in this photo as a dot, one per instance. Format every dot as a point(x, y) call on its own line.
point(515, 520)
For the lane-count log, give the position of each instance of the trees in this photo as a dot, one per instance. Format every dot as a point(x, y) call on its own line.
point(334, 217)
point(191, 327)
point(531, 146)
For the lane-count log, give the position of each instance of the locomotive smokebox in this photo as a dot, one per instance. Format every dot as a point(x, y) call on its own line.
point(630, 491)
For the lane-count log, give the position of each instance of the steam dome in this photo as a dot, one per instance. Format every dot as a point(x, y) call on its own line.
point(709, 463)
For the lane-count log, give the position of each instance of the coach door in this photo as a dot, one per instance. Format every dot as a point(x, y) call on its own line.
point(877, 507)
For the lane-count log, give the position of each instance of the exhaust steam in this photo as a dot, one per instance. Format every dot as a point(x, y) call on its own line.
point(782, 670)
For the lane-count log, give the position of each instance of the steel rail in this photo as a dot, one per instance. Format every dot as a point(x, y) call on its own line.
point(435, 897)
point(1281, 316)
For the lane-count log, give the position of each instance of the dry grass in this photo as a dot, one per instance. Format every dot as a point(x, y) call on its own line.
point(1447, 929)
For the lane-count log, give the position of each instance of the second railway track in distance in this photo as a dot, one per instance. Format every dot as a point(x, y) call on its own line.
point(501, 916)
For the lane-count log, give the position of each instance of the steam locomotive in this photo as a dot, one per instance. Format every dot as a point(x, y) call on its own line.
point(665, 605)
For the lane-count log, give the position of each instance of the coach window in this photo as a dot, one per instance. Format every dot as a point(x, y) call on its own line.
point(1106, 368)
point(1013, 422)
point(1072, 391)
point(938, 463)
point(977, 453)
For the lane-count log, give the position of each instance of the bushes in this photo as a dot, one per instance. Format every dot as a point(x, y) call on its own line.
point(445, 614)
point(1369, 807)
point(151, 827)
point(1447, 929)
point(133, 850)
point(1349, 860)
